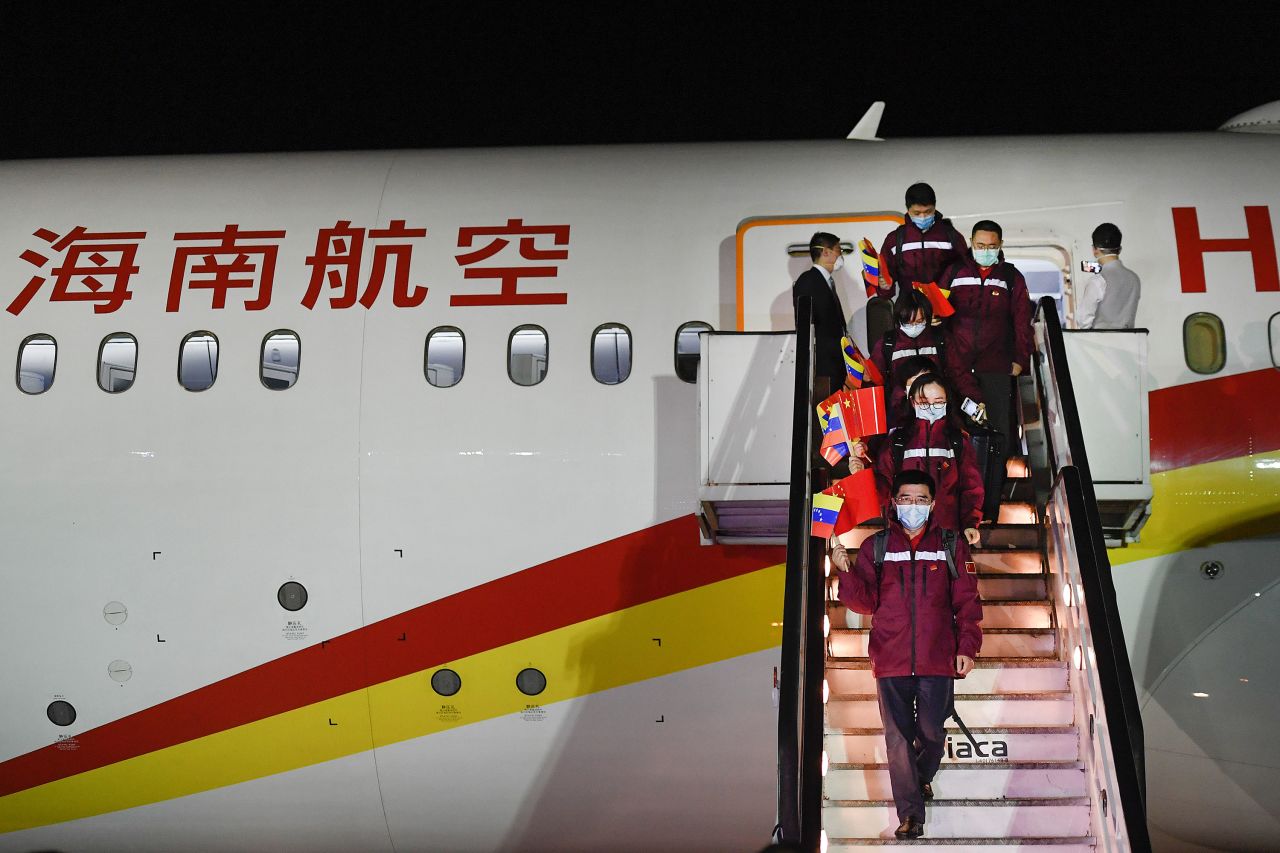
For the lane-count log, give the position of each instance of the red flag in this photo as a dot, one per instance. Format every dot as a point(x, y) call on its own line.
point(937, 298)
point(861, 500)
point(864, 411)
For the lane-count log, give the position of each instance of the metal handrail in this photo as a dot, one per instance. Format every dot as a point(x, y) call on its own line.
point(1115, 674)
point(800, 712)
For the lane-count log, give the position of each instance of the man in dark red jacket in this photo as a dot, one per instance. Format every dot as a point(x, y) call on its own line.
point(921, 248)
point(924, 634)
point(989, 339)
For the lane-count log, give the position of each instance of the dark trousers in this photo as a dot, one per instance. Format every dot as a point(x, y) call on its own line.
point(913, 708)
point(997, 393)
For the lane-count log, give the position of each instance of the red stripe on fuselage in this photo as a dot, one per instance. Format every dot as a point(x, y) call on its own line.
point(1214, 419)
point(640, 567)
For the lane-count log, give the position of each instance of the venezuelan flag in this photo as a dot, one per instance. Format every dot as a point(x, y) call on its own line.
point(870, 266)
point(859, 366)
point(826, 509)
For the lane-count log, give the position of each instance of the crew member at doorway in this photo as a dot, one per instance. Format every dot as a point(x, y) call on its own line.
point(1109, 300)
point(925, 633)
point(829, 321)
point(921, 248)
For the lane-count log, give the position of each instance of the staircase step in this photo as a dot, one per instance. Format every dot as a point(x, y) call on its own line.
point(1008, 562)
point(1017, 512)
point(996, 743)
point(996, 613)
point(1015, 467)
point(974, 781)
point(852, 676)
point(861, 710)
point(996, 642)
point(991, 586)
point(972, 845)
point(1037, 817)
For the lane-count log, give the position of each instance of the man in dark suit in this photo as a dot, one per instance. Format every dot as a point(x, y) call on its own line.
point(829, 322)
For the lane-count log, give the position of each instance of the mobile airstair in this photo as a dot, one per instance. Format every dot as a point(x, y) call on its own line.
point(1056, 760)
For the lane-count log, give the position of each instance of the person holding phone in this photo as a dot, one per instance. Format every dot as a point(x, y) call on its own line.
point(1108, 300)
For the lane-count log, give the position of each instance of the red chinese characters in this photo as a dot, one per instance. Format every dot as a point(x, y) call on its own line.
point(508, 274)
point(96, 268)
point(228, 265)
point(336, 262)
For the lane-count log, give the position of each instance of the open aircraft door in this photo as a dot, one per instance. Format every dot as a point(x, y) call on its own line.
point(772, 252)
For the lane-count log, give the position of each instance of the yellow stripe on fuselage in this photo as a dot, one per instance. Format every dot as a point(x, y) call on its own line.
point(716, 622)
point(1202, 504)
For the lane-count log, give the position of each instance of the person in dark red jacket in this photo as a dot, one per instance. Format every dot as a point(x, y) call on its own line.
point(989, 338)
point(921, 248)
point(931, 439)
point(925, 632)
point(914, 335)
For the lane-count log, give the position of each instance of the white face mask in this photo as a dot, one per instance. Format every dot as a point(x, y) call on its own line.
point(839, 263)
point(931, 412)
point(913, 516)
point(912, 330)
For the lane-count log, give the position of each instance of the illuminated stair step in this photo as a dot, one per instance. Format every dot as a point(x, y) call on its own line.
point(971, 781)
point(1002, 743)
point(1027, 676)
point(994, 586)
point(1010, 642)
point(970, 845)
point(1035, 817)
point(996, 613)
point(847, 711)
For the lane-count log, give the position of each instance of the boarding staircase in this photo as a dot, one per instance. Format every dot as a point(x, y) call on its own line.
point(1051, 704)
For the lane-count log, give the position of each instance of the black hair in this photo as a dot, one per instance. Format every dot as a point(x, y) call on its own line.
point(819, 241)
point(987, 225)
point(920, 193)
point(954, 425)
point(1107, 238)
point(914, 365)
point(909, 303)
point(913, 477)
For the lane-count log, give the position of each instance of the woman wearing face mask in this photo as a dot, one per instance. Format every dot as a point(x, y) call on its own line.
point(914, 335)
point(931, 439)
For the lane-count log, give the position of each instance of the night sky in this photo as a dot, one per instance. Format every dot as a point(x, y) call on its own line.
point(193, 78)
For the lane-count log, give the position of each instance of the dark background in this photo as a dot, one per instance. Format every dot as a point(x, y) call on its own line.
point(191, 77)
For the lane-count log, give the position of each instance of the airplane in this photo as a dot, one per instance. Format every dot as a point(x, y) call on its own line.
point(355, 507)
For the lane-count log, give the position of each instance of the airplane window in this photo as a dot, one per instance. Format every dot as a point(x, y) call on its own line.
point(611, 353)
point(531, 682)
point(281, 357)
point(527, 355)
point(37, 361)
point(446, 682)
point(198, 361)
point(446, 356)
point(689, 350)
point(1204, 343)
point(61, 713)
point(292, 596)
point(117, 362)
point(1273, 338)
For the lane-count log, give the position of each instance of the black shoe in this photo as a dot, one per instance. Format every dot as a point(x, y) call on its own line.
point(926, 788)
point(910, 828)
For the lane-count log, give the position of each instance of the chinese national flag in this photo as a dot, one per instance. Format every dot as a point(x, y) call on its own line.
point(861, 500)
point(937, 298)
point(864, 412)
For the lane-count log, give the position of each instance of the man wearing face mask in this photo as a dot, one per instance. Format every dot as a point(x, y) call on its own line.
point(915, 579)
point(1109, 300)
point(921, 248)
point(989, 341)
point(829, 322)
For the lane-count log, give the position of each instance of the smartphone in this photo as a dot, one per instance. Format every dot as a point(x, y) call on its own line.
point(1090, 266)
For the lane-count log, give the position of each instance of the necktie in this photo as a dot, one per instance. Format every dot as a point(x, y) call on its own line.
point(831, 283)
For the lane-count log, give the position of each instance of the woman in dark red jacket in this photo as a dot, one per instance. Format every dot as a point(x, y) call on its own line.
point(932, 440)
point(914, 335)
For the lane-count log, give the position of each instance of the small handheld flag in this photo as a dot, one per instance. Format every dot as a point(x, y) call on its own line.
point(861, 500)
point(937, 298)
point(864, 411)
point(858, 365)
point(870, 266)
point(835, 440)
point(826, 509)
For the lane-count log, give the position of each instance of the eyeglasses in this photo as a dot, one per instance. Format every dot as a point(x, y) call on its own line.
point(934, 407)
point(913, 501)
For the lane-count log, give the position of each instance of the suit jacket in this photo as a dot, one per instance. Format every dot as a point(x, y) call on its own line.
point(829, 323)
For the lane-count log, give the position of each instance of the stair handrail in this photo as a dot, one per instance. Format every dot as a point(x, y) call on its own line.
point(800, 711)
point(1115, 675)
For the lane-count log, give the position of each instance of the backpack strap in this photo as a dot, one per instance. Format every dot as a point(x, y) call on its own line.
point(897, 256)
point(886, 347)
point(899, 443)
point(879, 545)
point(949, 547)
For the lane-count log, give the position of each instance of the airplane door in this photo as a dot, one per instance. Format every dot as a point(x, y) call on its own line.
point(766, 268)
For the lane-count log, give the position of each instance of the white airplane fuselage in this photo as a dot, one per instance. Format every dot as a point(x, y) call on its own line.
point(490, 528)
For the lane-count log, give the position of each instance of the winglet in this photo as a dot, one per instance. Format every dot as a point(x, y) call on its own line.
point(869, 124)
